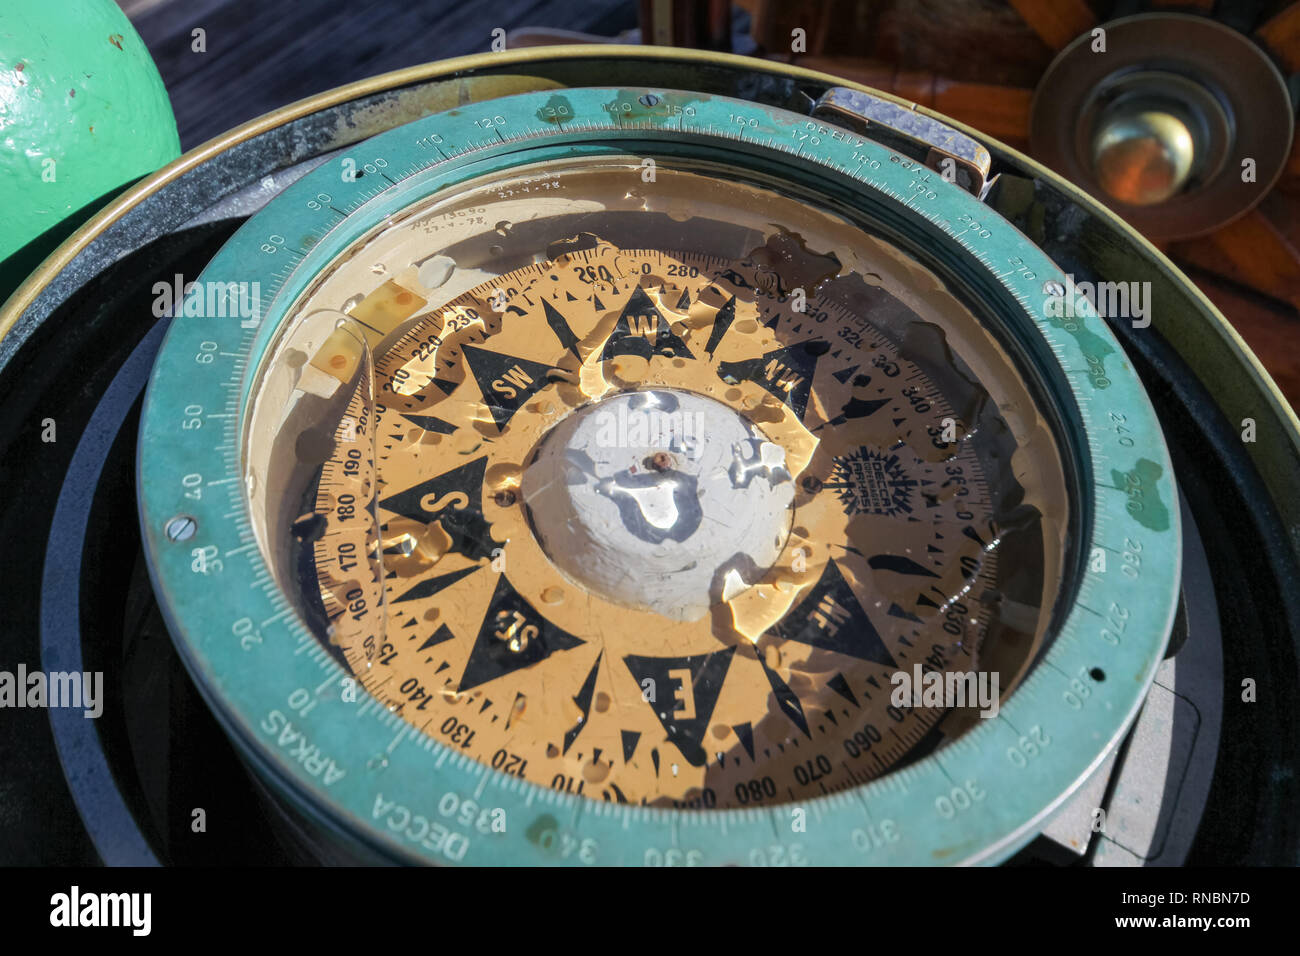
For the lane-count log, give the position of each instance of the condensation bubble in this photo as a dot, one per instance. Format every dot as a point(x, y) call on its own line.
point(436, 271)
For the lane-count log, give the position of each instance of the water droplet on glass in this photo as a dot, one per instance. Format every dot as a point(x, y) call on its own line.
point(436, 271)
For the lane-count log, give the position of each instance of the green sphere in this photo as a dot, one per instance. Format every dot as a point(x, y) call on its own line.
point(83, 112)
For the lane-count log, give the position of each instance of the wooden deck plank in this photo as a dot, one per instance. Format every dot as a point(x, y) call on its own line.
point(261, 56)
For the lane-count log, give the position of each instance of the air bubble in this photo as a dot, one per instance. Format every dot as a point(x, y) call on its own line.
point(436, 271)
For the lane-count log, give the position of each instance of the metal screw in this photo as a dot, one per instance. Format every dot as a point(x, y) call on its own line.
point(181, 528)
point(649, 100)
point(661, 461)
point(1054, 288)
point(812, 484)
point(504, 498)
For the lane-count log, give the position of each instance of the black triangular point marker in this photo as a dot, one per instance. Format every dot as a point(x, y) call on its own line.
point(492, 657)
point(844, 374)
point(745, 734)
point(684, 707)
point(630, 738)
point(505, 381)
point(443, 633)
point(560, 326)
point(787, 700)
point(721, 323)
point(430, 423)
point(896, 611)
point(643, 331)
point(452, 499)
point(433, 585)
point(583, 700)
point(831, 618)
point(786, 372)
point(840, 685)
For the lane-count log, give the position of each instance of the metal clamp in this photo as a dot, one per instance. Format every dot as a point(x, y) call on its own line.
point(955, 156)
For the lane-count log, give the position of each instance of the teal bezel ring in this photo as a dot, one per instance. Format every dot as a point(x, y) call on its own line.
point(366, 774)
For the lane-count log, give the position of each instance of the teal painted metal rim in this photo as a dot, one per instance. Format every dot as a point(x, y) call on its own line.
point(368, 774)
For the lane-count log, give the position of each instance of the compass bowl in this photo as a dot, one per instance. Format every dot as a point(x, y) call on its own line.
point(1249, 482)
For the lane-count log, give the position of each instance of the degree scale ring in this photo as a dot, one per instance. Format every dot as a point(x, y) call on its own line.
point(366, 772)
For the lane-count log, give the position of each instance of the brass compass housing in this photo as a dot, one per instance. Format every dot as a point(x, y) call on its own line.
point(463, 581)
point(671, 475)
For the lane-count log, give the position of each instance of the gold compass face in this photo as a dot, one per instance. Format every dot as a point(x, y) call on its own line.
point(656, 514)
